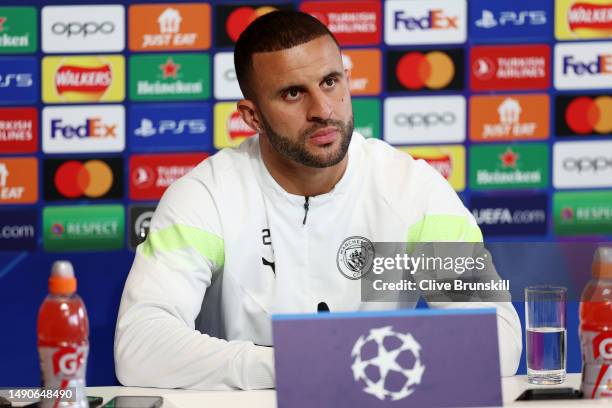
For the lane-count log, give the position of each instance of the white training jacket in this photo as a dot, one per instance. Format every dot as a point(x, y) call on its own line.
point(228, 247)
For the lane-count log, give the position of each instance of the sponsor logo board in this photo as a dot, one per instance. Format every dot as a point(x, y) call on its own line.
point(422, 120)
point(364, 68)
point(139, 221)
point(366, 112)
point(170, 26)
point(425, 70)
point(18, 230)
point(92, 28)
point(230, 129)
point(83, 179)
point(78, 79)
point(231, 20)
point(151, 174)
point(83, 228)
point(508, 166)
point(578, 19)
point(580, 213)
point(170, 127)
point(509, 117)
point(582, 164)
point(18, 180)
point(352, 23)
point(225, 83)
point(18, 30)
point(425, 22)
point(448, 160)
point(83, 129)
point(509, 67)
point(585, 65)
point(509, 20)
point(511, 214)
point(169, 77)
point(583, 115)
point(19, 80)
point(18, 130)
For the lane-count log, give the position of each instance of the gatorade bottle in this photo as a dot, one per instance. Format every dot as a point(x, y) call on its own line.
point(596, 328)
point(63, 341)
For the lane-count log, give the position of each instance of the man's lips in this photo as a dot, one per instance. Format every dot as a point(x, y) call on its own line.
point(324, 136)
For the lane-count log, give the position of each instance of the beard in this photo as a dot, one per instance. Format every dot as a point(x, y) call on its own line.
point(297, 150)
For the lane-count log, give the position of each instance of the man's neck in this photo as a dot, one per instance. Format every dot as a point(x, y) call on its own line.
point(298, 179)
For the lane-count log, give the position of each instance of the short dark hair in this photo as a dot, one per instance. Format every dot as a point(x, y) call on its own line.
point(275, 31)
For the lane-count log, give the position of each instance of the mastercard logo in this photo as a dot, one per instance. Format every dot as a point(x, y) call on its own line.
point(74, 179)
point(590, 115)
point(240, 18)
point(433, 70)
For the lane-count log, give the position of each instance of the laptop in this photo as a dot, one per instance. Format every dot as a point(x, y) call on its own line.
point(413, 358)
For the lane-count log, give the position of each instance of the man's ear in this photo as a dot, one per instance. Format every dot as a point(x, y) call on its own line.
point(248, 112)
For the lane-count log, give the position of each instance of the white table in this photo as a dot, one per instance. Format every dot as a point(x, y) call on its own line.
point(512, 387)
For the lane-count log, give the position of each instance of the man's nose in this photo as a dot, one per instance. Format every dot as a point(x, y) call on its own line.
point(320, 107)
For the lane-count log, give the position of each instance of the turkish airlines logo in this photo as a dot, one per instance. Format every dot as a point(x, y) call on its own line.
point(510, 67)
point(425, 70)
point(583, 115)
point(583, 66)
point(582, 164)
point(18, 130)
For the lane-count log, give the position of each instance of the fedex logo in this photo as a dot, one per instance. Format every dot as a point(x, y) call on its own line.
point(92, 127)
point(601, 65)
point(434, 20)
point(586, 65)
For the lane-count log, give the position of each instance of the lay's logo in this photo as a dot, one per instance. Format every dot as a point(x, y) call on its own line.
point(83, 79)
point(583, 19)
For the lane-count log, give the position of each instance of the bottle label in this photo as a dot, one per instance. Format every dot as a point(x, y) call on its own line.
point(63, 368)
point(596, 347)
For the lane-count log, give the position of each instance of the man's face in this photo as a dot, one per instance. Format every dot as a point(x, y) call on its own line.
point(302, 96)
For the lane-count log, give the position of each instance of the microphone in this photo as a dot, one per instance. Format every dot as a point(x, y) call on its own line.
point(322, 307)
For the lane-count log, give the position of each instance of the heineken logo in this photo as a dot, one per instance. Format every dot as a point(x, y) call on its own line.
point(18, 29)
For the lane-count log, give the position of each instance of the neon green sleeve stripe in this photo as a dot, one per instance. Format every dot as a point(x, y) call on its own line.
point(176, 237)
point(444, 228)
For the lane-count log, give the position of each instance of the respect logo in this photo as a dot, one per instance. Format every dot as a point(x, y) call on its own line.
point(78, 79)
point(583, 19)
point(579, 213)
point(583, 115)
point(425, 70)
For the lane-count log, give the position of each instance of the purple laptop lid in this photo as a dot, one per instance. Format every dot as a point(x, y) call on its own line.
point(413, 358)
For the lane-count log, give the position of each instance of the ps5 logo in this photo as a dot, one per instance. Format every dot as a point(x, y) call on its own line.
point(530, 17)
point(21, 80)
point(174, 127)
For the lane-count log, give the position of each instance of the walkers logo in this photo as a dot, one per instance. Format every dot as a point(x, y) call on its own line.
point(504, 167)
point(139, 221)
point(18, 230)
point(364, 67)
point(18, 30)
point(425, 22)
point(230, 129)
point(83, 228)
point(583, 115)
point(100, 178)
point(579, 213)
point(225, 82)
point(583, 66)
point(170, 127)
point(18, 130)
point(425, 70)
point(18, 180)
point(169, 77)
point(511, 214)
point(367, 117)
point(492, 21)
point(83, 129)
point(159, 27)
point(19, 80)
point(576, 19)
point(99, 78)
point(231, 20)
point(582, 164)
point(83, 28)
point(352, 23)
point(449, 161)
point(150, 175)
point(509, 117)
point(422, 120)
point(510, 67)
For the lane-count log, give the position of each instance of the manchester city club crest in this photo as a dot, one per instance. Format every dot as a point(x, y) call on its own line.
point(355, 257)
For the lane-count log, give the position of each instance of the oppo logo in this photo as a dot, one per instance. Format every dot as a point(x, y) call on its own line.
point(230, 75)
point(587, 164)
point(84, 29)
point(425, 119)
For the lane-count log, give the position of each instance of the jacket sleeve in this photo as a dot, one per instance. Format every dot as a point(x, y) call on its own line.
point(446, 219)
point(156, 343)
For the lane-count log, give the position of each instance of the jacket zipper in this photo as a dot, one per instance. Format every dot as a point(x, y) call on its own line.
point(305, 210)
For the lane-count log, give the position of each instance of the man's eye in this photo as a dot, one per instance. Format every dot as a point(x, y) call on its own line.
point(292, 94)
point(330, 82)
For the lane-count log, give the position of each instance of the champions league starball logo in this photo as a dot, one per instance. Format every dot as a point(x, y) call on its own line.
point(355, 257)
point(388, 363)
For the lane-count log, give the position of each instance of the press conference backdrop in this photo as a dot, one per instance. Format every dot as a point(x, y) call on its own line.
point(103, 106)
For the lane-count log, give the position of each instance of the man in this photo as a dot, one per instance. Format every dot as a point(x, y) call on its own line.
point(256, 230)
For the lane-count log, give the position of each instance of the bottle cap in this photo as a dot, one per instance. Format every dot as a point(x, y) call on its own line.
point(62, 280)
point(602, 263)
